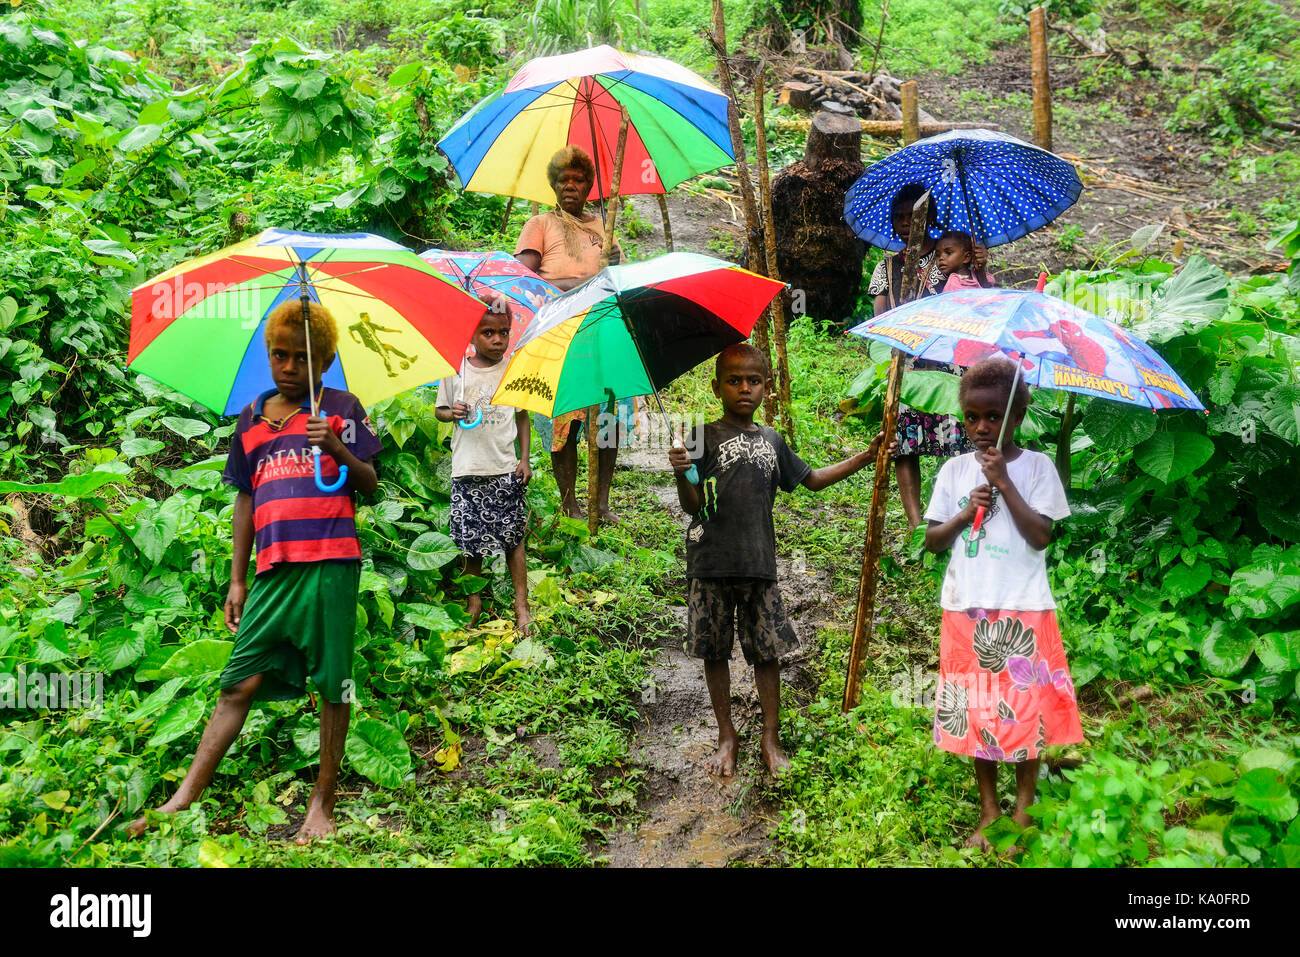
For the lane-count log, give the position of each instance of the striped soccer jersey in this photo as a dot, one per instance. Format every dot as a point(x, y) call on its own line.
point(293, 520)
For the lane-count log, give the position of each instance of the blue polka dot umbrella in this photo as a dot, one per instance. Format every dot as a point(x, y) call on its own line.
point(989, 185)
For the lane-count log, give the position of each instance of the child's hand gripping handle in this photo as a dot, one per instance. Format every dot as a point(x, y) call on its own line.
point(692, 474)
point(471, 423)
point(320, 483)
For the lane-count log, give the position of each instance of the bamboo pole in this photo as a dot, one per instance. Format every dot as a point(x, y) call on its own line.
point(753, 229)
point(1042, 80)
point(668, 226)
point(911, 114)
point(777, 307)
point(863, 623)
point(593, 412)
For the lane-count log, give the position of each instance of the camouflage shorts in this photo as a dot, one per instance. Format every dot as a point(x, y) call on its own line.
point(752, 604)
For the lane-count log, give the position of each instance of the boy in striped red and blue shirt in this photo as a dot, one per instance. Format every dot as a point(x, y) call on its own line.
point(299, 617)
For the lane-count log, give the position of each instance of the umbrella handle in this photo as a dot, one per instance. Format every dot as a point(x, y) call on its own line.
point(320, 483)
point(474, 422)
point(972, 544)
point(692, 474)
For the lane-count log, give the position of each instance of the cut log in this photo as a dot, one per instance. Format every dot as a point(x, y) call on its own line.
point(833, 137)
point(816, 253)
point(842, 109)
point(797, 95)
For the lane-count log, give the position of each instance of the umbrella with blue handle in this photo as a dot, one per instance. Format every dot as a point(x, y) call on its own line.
point(305, 299)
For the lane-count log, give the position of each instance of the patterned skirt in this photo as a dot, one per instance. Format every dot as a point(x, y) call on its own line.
point(1004, 688)
point(489, 514)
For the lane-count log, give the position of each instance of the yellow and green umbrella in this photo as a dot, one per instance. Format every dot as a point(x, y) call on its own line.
point(200, 327)
point(630, 330)
point(677, 125)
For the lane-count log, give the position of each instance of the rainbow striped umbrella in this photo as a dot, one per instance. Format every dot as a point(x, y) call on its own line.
point(630, 330)
point(200, 327)
point(677, 125)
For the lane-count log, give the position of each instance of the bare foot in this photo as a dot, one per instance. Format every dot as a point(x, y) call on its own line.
point(141, 824)
point(318, 823)
point(1021, 818)
point(574, 510)
point(723, 762)
point(609, 518)
point(474, 608)
point(523, 620)
point(978, 840)
point(775, 759)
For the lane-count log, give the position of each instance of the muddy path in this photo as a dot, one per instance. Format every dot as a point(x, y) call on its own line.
point(687, 817)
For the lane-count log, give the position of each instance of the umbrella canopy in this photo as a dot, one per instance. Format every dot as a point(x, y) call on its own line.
point(677, 125)
point(631, 330)
point(479, 272)
point(200, 327)
point(1059, 346)
point(989, 185)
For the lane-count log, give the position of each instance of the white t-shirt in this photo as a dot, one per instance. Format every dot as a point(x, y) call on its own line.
point(488, 448)
point(1006, 572)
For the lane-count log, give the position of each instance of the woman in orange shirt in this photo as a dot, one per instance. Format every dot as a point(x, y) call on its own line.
point(563, 246)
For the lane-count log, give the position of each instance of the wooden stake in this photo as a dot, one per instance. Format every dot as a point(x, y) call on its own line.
point(505, 220)
point(911, 116)
point(753, 228)
point(611, 207)
point(593, 412)
point(1042, 81)
point(777, 305)
point(668, 226)
point(863, 623)
point(1063, 437)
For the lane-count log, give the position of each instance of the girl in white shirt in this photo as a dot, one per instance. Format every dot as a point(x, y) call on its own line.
point(1004, 687)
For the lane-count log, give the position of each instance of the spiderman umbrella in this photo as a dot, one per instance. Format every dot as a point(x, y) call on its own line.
point(1054, 344)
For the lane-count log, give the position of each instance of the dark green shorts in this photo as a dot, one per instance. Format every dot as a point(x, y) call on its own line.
point(300, 620)
point(717, 608)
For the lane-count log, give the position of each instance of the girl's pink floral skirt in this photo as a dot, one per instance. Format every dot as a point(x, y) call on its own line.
point(1004, 686)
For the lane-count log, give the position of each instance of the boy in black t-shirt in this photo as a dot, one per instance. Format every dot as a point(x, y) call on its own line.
point(731, 546)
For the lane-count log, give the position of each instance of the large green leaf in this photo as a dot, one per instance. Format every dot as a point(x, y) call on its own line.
point(1117, 427)
point(433, 617)
point(1265, 792)
point(156, 700)
point(73, 486)
point(198, 659)
point(1191, 300)
point(1279, 650)
point(1184, 581)
point(1226, 648)
point(1169, 456)
point(931, 391)
point(1265, 588)
point(178, 719)
point(431, 551)
point(1282, 412)
point(378, 751)
point(139, 138)
point(186, 428)
point(118, 648)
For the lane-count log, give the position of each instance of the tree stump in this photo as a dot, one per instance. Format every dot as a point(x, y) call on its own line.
point(817, 253)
